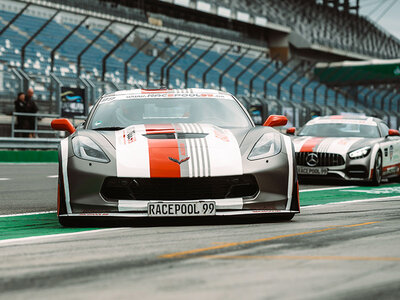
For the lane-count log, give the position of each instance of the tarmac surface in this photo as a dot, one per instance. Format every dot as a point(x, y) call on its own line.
point(333, 251)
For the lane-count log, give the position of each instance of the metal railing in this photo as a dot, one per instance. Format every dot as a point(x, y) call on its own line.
point(27, 143)
point(35, 130)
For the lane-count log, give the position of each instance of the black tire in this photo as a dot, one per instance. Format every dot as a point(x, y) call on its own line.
point(67, 222)
point(286, 217)
point(62, 207)
point(377, 172)
point(72, 222)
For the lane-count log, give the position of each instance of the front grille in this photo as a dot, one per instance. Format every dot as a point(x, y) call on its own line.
point(357, 171)
point(240, 186)
point(324, 159)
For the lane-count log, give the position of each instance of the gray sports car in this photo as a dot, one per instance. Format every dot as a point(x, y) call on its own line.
point(349, 148)
point(171, 153)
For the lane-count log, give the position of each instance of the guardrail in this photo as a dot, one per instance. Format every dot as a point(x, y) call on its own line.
point(29, 143)
point(35, 130)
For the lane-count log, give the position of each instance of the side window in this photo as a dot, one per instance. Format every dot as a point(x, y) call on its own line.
point(384, 129)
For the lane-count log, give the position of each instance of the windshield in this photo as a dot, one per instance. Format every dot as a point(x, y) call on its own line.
point(125, 112)
point(340, 130)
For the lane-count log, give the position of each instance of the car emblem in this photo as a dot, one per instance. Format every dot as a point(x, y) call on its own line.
point(179, 161)
point(312, 159)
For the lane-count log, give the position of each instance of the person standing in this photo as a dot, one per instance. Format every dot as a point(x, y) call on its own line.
point(22, 121)
point(32, 108)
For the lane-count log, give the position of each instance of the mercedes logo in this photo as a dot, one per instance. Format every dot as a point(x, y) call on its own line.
point(312, 159)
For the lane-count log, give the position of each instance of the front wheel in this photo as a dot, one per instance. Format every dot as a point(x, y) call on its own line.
point(69, 222)
point(377, 172)
point(286, 217)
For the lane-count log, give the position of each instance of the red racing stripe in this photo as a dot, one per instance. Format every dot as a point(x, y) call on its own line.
point(160, 151)
point(310, 144)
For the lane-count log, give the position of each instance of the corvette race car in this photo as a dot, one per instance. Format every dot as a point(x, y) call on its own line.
point(349, 148)
point(170, 153)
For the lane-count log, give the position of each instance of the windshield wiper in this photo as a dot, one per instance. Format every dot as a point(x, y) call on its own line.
point(111, 128)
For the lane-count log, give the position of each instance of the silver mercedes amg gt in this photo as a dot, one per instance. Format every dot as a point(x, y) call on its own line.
point(173, 153)
point(347, 147)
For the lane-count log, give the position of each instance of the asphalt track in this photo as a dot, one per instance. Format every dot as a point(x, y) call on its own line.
point(343, 250)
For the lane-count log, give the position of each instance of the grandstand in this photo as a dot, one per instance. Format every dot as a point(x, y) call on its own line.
point(264, 51)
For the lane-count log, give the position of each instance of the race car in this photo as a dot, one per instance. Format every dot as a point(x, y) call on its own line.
point(174, 153)
point(347, 147)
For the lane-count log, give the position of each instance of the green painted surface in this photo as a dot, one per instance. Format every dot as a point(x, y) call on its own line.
point(367, 72)
point(348, 194)
point(33, 225)
point(47, 223)
point(28, 156)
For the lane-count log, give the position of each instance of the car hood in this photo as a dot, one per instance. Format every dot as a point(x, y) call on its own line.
point(328, 145)
point(176, 150)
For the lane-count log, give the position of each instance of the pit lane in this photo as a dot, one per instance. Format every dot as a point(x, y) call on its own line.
point(340, 250)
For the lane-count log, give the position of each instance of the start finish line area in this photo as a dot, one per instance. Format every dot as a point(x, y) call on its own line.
point(41, 224)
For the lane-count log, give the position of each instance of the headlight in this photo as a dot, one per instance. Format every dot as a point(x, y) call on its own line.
point(360, 153)
point(85, 148)
point(268, 145)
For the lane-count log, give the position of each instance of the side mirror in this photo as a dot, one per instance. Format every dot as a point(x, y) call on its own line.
point(393, 132)
point(275, 121)
point(63, 125)
point(291, 130)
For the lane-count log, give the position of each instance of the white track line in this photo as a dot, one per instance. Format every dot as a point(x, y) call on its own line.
point(52, 176)
point(352, 201)
point(4, 179)
point(26, 240)
point(29, 214)
point(331, 188)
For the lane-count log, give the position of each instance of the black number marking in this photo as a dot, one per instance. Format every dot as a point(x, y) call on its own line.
point(208, 208)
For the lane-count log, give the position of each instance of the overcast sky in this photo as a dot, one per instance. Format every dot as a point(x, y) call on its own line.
point(390, 20)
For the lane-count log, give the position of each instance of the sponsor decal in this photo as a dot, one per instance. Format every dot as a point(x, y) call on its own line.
point(391, 152)
point(94, 214)
point(164, 95)
point(341, 120)
point(220, 135)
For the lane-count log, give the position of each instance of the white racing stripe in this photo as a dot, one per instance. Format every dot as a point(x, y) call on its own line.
point(5, 179)
point(52, 176)
point(64, 162)
point(224, 153)
point(132, 156)
point(289, 151)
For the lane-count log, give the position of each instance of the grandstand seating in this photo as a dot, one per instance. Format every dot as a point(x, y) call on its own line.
point(37, 61)
point(323, 25)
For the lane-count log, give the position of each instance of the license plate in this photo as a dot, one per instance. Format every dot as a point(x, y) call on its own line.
point(181, 209)
point(311, 171)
